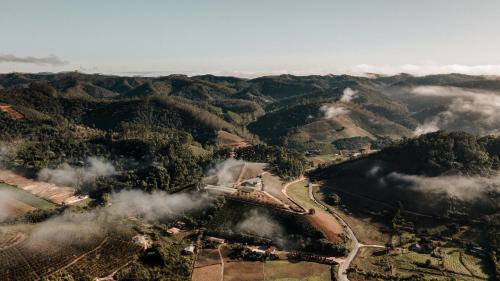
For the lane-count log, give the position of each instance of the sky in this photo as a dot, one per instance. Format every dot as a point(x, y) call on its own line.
point(250, 38)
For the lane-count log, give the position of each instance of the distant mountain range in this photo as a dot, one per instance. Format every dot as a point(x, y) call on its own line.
point(301, 112)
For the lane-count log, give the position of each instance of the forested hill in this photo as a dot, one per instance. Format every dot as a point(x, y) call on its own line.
point(300, 112)
point(437, 173)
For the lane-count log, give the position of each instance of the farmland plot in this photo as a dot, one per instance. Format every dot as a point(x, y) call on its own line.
point(452, 262)
point(307, 271)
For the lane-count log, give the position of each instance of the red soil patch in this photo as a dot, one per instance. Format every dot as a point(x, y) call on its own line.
point(11, 112)
point(327, 224)
point(228, 140)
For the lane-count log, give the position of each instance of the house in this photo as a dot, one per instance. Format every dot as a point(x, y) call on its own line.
point(268, 249)
point(258, 251)
point(188, 250)
point(255, 183)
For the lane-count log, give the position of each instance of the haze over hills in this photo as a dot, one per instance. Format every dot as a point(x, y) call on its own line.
point(301, 112)
point(179, 160)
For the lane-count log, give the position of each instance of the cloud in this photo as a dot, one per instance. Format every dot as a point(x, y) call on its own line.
point(155, 206)
point(260, 224)
point(460, 187)
point(227, 172)
point(77, 176)
point(474, 106)
point(81, 228)
point(333, 110)
point(419, 69)
point(7, 204)
point(348, 95)
point(50, 60)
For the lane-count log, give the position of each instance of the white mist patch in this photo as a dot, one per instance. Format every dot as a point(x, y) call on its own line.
point(348, 95)
point(76, 176)
point(69, 228)
point(6, 209)
point(333, 110)
point(227, 171)
point(374, 171)
point(460, 187)
point(81, 228)
point(260, 224)
point(479, 106)
point(154, 206)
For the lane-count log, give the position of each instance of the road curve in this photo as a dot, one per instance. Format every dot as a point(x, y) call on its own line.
point(345, 263)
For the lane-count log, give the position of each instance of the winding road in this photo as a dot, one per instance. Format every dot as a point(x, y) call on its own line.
point(344, 263)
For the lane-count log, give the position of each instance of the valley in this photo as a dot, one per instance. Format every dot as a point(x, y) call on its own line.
point(222, 178)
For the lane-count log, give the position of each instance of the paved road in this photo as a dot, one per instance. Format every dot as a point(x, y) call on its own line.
point(346, 262)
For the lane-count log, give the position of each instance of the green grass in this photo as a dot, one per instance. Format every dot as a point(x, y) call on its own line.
point(286, 271)
point(452, 262)
point(299, 192)
point(474, 265)
point(28, 198)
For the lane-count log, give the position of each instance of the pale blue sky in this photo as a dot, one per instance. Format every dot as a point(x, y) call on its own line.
point(251, 37)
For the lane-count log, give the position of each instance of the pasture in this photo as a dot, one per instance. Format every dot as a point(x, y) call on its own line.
point(15, 202)
point(299, 271)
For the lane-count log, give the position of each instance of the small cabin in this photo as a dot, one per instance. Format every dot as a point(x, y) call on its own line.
point(188, 250)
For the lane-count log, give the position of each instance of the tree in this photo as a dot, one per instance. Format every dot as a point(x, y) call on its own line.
point(333, 199)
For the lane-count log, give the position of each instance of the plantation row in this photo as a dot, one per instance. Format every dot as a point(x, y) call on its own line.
point(23, 263)
point(113, 254)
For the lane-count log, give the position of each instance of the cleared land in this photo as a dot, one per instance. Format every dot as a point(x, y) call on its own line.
point(228, 140)
point(287, 271)
point(273, 185)
point(27, 198)
point(244, 271)
point(51, 192)
point(374, 264)
point(321, 219)
point(207, 257)
point(367, 230)
point(207, 273)
point(15, 202)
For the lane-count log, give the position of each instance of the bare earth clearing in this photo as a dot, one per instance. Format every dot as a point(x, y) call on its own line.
point(49, 191)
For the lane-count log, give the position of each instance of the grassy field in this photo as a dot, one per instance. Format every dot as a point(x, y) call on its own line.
point(322, 220)
point(299, 192)
point(474, 265)
point(207, 257)
point(286, 271)
point(27, 198)
point(366, 228)
point(454, 264)
point(273, 185)
point(207, 273)
point(244, 271)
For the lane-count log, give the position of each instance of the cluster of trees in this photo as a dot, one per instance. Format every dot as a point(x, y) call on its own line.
point(436, 153)
point(285, 163)
point(163, 261)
